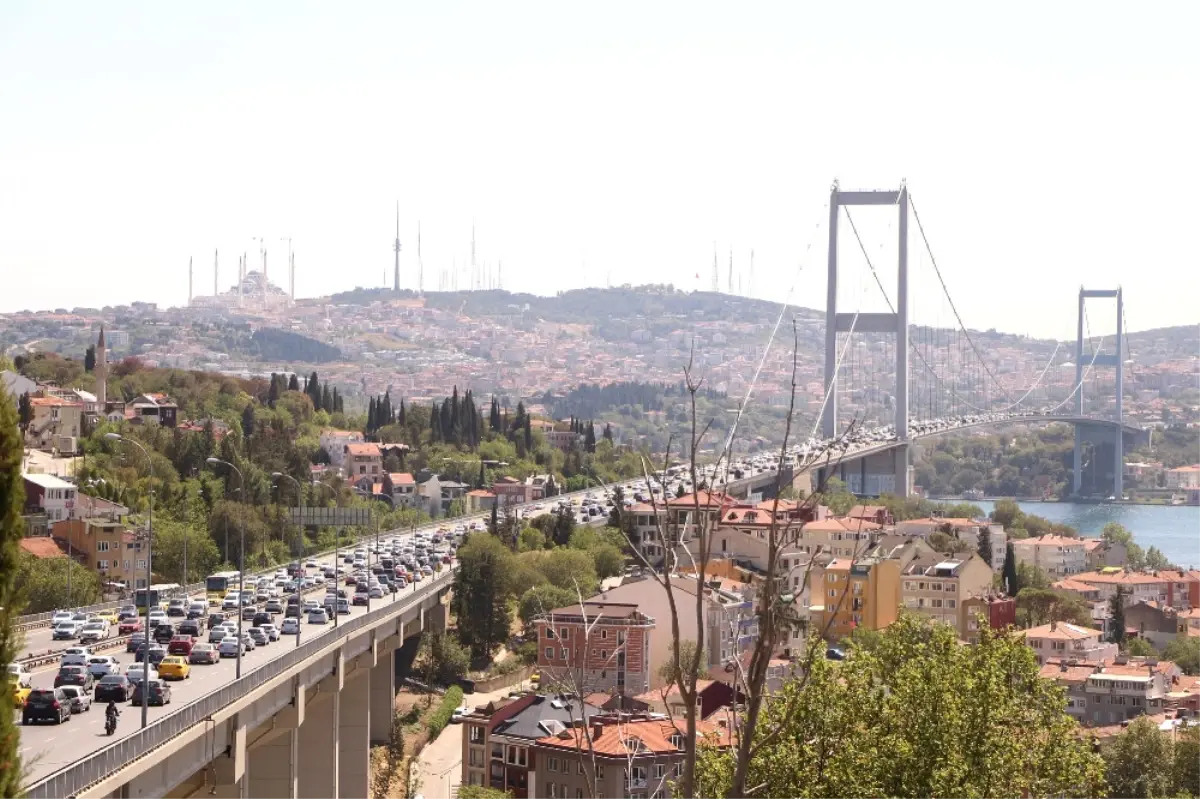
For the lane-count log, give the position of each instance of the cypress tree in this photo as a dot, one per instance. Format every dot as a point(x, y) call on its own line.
point(89, 359)
point(402, 418)
point(482, 476)
point(12, 529)
point(589, 442)
point(273, 391)
point(1116, 611)
point(370, 418)
point(528, 435)
point(293, 383)
point(435, 422)
point(248, 419)
point(495, 529)
point(314, 390)
point(985, 545)
point(326, 400)
point(608, 433)
point(1009, 574)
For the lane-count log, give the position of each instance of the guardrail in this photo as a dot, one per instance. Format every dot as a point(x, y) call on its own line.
point(73, 779)
point(35, 620)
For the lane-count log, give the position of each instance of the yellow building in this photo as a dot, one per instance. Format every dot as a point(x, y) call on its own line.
point(105, 546)
point(859, 593)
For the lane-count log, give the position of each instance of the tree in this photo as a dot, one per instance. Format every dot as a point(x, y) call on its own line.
point(1187, 761)
point(1156, 560)
point(531, 539)
point(985, 545)
point(441, 659)
point(608, 432)
point(89, 359)
point(1009, 572)
point(670, 671)
point(1184, 651)
point(917, 715)
point(837, 497)
point(170, 536)
point(589, 439)
point(294, 383)
point(1008, 514)
point(482, 792)
point(1139, 762)
point(384, 771)
point(12, 529)
point(24, 413)
point(1140, 647)
point(1117, 533)
point(479, 600)
point(1116, 611)
point(248, 419)
point(564, 525)
point(565, 568)
point(45, 584)
point(1037, 606)
point(542, 599)
point(608, 560)
point(493, 528)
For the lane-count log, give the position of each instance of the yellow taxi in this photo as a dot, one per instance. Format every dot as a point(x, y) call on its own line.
point(19, 695)
point(174, 667)
point(109, 616)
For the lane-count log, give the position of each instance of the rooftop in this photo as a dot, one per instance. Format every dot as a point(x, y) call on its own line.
point(47, 481)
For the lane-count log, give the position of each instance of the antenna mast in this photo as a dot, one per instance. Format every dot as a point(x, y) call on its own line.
point(716, 280)
point(396, 248)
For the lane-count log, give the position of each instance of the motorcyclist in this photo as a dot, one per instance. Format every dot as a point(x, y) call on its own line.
point(111, 712)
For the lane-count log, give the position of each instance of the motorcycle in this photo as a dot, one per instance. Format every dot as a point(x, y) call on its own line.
point(110, 724)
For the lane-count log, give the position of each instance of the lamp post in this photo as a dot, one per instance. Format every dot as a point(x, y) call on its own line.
point(149, 578)
point(300, 535)
point(241, 561)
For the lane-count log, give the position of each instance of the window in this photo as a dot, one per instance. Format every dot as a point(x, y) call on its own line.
point(476, 757)
point(101, 546)
point(579, 766)
point(553, 790)
point(141, 564)
point(951, 603)
point(517, 756)
point(102, 564)
point(549, 653)
point(660, 771)
point(565, 653)
point(497, 751)
point(552, 764)
point(604, 635)
point(604, 654)
point(677, 740)
point(549, 633)
point(564, 633)
point(679, 769)
point(476, 733)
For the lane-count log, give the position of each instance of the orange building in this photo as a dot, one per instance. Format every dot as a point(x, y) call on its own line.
point(859, 593)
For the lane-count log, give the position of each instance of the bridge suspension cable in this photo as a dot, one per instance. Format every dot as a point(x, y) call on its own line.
point(1079, 384)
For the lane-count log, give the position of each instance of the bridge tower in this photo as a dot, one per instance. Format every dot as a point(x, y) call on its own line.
point(895, 323)
point(1117, 361)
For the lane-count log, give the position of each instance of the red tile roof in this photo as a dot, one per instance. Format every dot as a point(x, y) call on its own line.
point(42, 547)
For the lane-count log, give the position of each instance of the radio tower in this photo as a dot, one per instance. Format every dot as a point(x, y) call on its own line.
point(716, 284)
point(396, 249)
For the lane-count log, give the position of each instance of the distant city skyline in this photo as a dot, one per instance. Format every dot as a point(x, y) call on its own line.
point(588, 149)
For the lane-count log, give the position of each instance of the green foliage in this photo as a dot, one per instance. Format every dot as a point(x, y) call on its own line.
point(1030, 576)
point(1140, 762)
point(673, 669)
point(480, 599)
point(1116, 612)
point(1187, 762)
point(1184, 651)
point(1036, 606)
point(837, 497)
point(1117, 533)
point(274, 345)
point(45, 586)
point(1023, 462)
point(1140, 647)
point(441, 717)
point(917, 715)
point(12, 528)
point(543, 599)
point(608, 560)
point(565, 568)
point(482, 792)
point(441, 659)
point(531, 539)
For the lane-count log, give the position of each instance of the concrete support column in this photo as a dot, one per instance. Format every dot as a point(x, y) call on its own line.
point(318, 756)
point(274, 767)
point(383, 694)
point(354, 742)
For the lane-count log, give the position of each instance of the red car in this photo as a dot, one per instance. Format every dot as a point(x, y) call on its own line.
point(181, 645)
point(350, 580)
point(129, 626)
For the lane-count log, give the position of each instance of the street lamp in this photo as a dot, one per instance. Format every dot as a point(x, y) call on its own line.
point(300, 535)
point(149, 578)
point(241, 562)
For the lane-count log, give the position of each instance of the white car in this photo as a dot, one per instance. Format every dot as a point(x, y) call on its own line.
point(18, 672)
point(66, 630)
point(271, 631)
point(291, 626)
point(80, 701)
point(61, 616)
point(230, 602)
point(75, 656)
point(228, 648)
point(103, 665)
point(318, 616)
point(134, 672)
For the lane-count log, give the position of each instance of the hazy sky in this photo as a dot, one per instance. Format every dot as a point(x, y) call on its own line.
point(1045, 144)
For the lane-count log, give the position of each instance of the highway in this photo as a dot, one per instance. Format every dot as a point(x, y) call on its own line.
point(46, 748)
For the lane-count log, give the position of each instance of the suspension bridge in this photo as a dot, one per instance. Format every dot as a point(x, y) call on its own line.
point(916, 370)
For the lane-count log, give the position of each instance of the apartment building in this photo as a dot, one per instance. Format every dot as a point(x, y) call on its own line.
point(362, 460)
point(152, 408)
point(333, 443)
point(938, 586)
point(511, 491)
point(498, 739)
point(711, 696)
point(633, 756)
point(1138, 586)
point(1062, 640)
point(1101, 553)
point(1155, 622)
point(855, 593)
point(50, 496)
point(996, 611)
point(1183, 588)
point(613, 658)
point(1056, 555)
point(1113, 691)
point(645, 522)
point(968, 531)
point(839, 537)
point(401, 487)
point(1183, 477)
point(105, 546)
point(57, 423)
point(748, 549)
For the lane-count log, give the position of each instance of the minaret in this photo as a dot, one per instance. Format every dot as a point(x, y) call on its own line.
point(101, 371)
point(396, 249)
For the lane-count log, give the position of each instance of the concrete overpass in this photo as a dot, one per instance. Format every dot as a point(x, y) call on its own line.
point(298, 725)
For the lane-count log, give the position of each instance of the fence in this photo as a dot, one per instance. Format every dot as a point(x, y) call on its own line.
point(70, 781)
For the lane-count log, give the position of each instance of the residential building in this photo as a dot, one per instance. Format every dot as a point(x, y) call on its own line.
point(613, 658)
point(646, 518)
point(838, 537)
point(749, 550)
point(49, 496)
point(937, 586)
point(362, 460)
point(57, 424)
point(540, 486)
point(401, 487)
point(1112, 692)
point(480, 499)
point(968, 531)
point(1155, 622)
point(333, 443)
point(564, 439)
point(153, 408)
point(635, 756)
point(511, 491)
point(1101, 612)
point(497, 738)
point(711, 696)
point(996, 611)
point(1138, 586)
point(1056, 555)
point(1183, 477)
point(1183, 588)
point(879, 514)
point(1062, 640)
point(855, 593)
point(1101, 553)
point(107, 547)
point(731, 625)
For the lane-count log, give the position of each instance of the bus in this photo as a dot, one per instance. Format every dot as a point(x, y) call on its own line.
point(216, 586)
point(159, 593)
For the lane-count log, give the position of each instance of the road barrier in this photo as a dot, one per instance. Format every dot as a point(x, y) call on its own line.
point(90, 769)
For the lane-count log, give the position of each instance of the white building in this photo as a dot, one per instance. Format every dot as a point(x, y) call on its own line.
point(334, 442)
point(54, 496)
point(1056, 555)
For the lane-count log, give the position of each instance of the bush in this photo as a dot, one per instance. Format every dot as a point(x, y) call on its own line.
point(441, 716)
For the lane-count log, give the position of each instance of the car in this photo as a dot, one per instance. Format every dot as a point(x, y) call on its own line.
point(274, 606)
point(157, 617)
point(19, 695)
point(74, 675)
point(134, 672)
point(271, 630)
point(174, 667)
point(318, 616)
point(259, 636)
point(375, 592)
point(196, 610)
point(46, 704)
point(163, 633)
point(93, 631)
point(228, 648)
point(102, 665)
point(129, 625)
point(204, 654)
point(459, 714)
point(192, 627)
point(19, 673)
point(214, 619)
point(61, 616)
point(127, 611)
point(181, 645)
point(262, 618)
point(249, 612)
point(66, 631)
point(292, 612)
point(217, 634)
point(310, 564)
point(360, 598)
point(177, 607)
point(80, 701)
point(248, 641)
point(230, 602)
point(113, 688)
point(291, 626)
point(157, 693)
point(109, 616)
point(135, 642)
